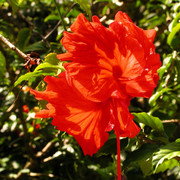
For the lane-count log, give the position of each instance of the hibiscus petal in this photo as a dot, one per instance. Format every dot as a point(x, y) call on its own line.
point(123, 119)
point(103, 57)
point(85, 120)
point(93, 83)
point(142, 86)
point(87, 42)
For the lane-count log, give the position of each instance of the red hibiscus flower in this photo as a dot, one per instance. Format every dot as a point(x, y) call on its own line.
point(87, 121)
point(118, 59)
point(109, 66)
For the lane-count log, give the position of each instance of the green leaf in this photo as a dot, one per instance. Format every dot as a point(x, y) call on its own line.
point(149, 120)
point(174, 22)
point(52, 59)
point(178, 140)
point(144, 153)
point(177, 66)
point(166, 64)
point(2, 64)
point(166, 152)
point(171, 36)
point(167, 164)
point(14, 5)
point(85, 5)
point(29, 75)
point(155, 96)
point(146, 166)
point(23, 37)
point(37, 46)
point(51, 17)
point(51, 64)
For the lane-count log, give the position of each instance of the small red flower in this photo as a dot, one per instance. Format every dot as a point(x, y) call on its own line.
point(25, 109)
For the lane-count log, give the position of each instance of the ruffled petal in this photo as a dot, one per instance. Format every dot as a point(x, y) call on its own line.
point(95, 84)
point(143, 85)
point(103, 57)
point(85, 120)
point(123, 119)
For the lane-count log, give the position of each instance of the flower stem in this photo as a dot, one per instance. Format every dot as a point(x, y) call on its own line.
point(118, 158)
point(62, 19)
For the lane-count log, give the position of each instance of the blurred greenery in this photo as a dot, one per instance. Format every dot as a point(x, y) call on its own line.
point(32, 148)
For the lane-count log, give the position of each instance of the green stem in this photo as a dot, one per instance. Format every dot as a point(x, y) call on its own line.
point(118, 157)
point(60, 15)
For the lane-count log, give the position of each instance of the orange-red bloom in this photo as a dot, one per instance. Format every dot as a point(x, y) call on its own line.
point(118, 59)
point(25, 109)
point(107, 68)
point(87, 121)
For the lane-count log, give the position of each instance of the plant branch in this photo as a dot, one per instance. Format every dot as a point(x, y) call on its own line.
point(145, 139)
point(39, 154)
point(12, 46)
point(171, 121)
point(59, 22)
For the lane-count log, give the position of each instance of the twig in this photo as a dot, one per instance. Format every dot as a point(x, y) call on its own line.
point(145, 139)
point(177, 158)
point(32, 27)
point(47, 147)
point(59, 22)
point(34, 174)
point(39, 154)
point(12, 47)
point(25, 19)
point(171, 121)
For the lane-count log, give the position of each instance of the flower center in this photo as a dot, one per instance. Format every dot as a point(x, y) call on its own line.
point(117, 72)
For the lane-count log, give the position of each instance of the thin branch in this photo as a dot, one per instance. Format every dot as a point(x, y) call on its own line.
point(145, 139)
point(25, 19)
point(171, 121)
point(177, 158)
point(34, 174)
point(12, 47)
point(39, 154)
point(47, 147)
point(32, 27)
point(59, 22)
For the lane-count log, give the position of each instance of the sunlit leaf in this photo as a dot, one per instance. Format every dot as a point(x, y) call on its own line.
point(174, 22)
point(167, 164)
point(155, 96)
point(29, 75)
point(166, 152)
point(85, 5)
point(166, 64)
point(51, 64)
point(52, 59)
point(151, 121)
point(51, 17)
point(171, 36)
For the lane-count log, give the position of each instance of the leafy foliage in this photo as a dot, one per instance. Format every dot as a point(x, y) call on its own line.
point(31, 148)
